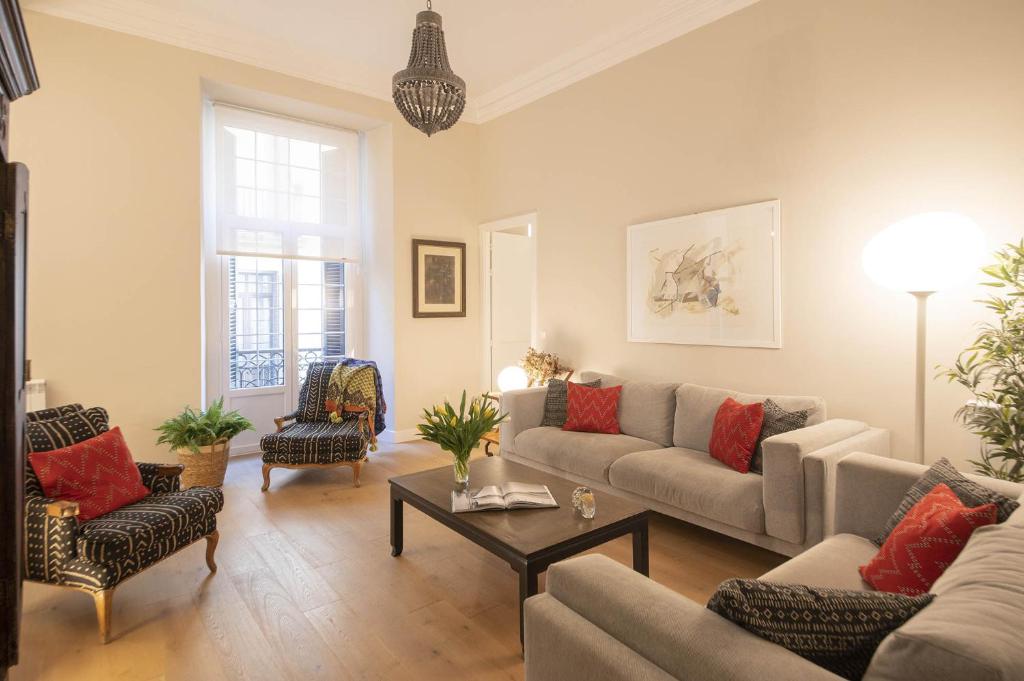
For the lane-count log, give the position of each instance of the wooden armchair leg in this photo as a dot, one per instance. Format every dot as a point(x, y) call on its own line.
point(104, 601)
point(266, 477)
point(211, 548)
point(357, 467)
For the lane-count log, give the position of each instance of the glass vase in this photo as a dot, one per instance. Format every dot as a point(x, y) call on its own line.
point(462, 469)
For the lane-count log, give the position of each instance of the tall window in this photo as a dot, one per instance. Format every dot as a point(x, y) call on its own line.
point(287, 224)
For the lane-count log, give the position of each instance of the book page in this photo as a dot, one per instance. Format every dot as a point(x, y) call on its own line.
point(524, 488)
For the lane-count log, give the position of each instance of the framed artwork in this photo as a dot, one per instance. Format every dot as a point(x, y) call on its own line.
point(707, 279)
point(438, 278)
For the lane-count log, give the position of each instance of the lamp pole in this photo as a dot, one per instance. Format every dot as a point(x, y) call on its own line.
point(922, 344)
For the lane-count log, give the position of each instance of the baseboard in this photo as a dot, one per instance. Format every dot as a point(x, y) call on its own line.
point(398, 436)
point(245, 449)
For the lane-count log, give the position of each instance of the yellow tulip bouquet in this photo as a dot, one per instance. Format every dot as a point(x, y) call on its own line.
point(459, 431)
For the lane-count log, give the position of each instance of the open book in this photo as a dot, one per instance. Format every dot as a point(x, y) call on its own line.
point(507, 496)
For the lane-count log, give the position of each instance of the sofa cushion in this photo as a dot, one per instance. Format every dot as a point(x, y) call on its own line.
point(834, 628)
point(833, 563)
point(646, 410)
point(593, 410)
point(972, 630)
point(585, 454)
point(734, 433)
point(693, 481)
point(133, 529)
point(926, 542)
point(971, 493)
point(556, 401)
point(696, 406)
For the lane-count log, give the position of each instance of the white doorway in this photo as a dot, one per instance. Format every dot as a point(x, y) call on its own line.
point(509, 266)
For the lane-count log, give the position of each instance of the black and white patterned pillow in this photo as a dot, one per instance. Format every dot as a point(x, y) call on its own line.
point(776, 421)
point(66, 430)
point(833, 628)
point(969, 492)
point(556, 402)
point(52, 412)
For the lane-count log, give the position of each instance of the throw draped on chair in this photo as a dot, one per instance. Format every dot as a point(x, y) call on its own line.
point(314, 439)
point(97, 555)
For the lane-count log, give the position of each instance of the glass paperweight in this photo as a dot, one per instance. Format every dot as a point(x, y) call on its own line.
point(583, 501)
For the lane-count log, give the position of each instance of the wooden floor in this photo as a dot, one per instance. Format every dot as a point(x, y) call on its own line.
point(307, 589)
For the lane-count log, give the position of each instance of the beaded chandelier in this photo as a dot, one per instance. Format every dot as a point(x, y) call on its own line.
point(427, 93)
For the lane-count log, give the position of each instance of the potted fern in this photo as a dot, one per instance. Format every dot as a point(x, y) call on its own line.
point(459, 432)
point(201, 439)
point(992, 368)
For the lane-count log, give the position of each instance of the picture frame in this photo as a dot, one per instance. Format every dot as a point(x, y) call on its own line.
point(711, 278)
point(438, 278)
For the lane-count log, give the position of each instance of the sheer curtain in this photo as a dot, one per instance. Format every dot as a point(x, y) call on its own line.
point(285, 188)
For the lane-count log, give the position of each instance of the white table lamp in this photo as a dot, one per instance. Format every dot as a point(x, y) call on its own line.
point(512, 378)
point(921, 255)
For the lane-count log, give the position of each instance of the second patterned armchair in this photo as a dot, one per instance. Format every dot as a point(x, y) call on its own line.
point(318, 437)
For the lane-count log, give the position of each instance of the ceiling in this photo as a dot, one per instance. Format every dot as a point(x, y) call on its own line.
point(509, 53)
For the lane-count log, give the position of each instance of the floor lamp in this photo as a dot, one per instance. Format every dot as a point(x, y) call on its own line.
point(921, 255)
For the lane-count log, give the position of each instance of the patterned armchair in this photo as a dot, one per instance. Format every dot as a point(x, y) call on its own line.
point(97, 555)
point(315, 438)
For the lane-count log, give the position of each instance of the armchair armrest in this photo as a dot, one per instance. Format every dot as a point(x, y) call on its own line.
point(525, 410)
point(795, 486)
point(62, 509)
point(161, 477)
point(51, 528)
point(281, 420)
point(682, 637)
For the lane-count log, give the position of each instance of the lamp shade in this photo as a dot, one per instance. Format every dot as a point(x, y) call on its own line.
point(925, 252)
point(512, 378)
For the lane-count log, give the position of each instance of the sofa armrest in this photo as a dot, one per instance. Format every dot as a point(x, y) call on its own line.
point(525, 409)
point(161, 477)
point(51, 528)
point(786, 499)
point(820, 479)
point(676, 634)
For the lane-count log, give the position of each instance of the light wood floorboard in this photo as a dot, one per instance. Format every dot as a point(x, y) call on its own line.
point(307, 589)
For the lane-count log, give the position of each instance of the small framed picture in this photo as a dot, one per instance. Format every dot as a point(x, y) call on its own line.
point(438, 278)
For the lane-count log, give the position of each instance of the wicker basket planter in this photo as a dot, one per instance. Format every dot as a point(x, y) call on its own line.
point(206, 467)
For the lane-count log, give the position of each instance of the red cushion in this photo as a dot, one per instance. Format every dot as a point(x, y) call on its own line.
point(98, 473)
point(925, 542)
point(734, 433)
point(592, 410)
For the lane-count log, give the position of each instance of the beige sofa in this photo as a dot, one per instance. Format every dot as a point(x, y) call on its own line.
point(660, 459)
point(600, 620)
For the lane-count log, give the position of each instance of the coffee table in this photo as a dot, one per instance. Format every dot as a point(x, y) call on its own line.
point(529, 540)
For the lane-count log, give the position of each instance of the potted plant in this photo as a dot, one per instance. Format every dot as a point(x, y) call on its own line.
point(201, 439)
point(992, 368)
point(459, 432)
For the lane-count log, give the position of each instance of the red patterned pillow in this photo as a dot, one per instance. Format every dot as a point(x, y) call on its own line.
point(734, 433)
point(98, 473)
point(929, 538)
point(593, 410)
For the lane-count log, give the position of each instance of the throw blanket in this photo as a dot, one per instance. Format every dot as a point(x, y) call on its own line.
point(352, 388)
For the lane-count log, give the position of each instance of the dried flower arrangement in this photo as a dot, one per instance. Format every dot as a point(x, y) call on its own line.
point(541, 367)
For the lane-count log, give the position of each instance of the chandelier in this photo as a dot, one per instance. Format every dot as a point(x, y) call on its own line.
point(427, 93)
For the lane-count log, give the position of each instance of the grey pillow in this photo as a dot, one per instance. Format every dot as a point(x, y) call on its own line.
point(833, 628)
point(556, 402)
point(969, 492)
point(776, 421)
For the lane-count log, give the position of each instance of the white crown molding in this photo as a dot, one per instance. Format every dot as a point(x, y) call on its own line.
point(633, 37)
point(630, 39)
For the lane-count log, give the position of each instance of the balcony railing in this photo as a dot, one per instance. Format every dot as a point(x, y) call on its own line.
point(265, 368)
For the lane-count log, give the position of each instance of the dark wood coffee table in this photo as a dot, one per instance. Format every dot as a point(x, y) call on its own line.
point(529, 540)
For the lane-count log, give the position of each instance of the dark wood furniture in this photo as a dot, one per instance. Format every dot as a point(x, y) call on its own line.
point(529, 540)
point(17, 78)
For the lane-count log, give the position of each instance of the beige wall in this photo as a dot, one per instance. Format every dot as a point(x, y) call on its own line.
point(112, 140)
point(854, 113)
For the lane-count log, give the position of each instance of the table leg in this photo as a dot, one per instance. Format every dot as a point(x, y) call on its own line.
point(640, 550)
point(396, 525)
point(527, 588)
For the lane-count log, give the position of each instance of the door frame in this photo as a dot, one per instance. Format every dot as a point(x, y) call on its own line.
point(486, 229)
